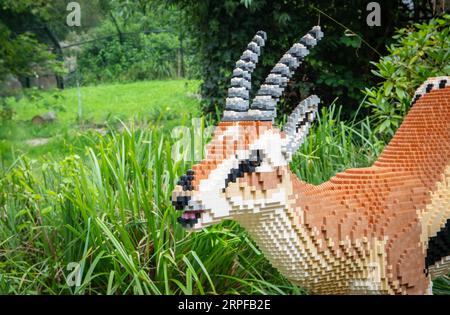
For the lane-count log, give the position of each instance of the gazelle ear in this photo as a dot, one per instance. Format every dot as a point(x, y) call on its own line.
point(298, 124)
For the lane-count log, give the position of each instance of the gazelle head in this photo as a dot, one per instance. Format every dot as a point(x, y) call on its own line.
point(245, 169)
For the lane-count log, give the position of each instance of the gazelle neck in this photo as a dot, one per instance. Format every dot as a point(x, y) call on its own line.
point(272, 227)
point(281, 234)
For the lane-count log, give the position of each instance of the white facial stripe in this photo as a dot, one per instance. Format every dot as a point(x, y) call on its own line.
point(210, 193)
point(210, 189)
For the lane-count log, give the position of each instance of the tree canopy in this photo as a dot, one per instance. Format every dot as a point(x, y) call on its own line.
point(338, 66)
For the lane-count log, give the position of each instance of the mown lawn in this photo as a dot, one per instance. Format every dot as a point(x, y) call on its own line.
point(99, 103)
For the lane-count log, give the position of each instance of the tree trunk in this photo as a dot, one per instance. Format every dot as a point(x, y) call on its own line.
point(116, 24)
point(181, 72)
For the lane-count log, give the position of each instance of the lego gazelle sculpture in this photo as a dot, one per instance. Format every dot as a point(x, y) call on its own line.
point(384, 229)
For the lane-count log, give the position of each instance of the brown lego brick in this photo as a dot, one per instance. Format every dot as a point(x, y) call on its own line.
point(371, 230)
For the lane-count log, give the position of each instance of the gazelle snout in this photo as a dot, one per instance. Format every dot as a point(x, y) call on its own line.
point(182, 200)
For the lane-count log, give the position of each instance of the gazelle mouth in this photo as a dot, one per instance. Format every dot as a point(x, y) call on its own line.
point(189, 218)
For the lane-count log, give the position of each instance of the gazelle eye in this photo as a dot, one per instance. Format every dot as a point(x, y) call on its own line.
point(256, 158)
point(245, 166)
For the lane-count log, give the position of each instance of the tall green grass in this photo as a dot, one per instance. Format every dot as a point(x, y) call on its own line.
point(109, 211)
point(335, 145)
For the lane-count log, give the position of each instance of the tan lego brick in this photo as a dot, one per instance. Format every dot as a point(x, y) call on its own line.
point(371, 230)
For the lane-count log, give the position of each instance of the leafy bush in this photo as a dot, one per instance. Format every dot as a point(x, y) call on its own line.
point(136, 41)
point(22, 52)
point(111, 213)
point(139, 57)
point(421, 51)
point(336, 67)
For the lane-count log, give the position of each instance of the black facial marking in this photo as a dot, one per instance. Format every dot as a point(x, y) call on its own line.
point(301, 123)
point(188, 222)
point(246, 166)
point(186, 181)
point(415, 99)
point(181, 202)
point(428, 89)
point(438, 246)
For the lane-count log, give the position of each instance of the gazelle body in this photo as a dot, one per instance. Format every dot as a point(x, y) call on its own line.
point(384, 229)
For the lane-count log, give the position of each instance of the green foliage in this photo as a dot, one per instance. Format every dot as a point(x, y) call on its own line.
point(420, 51)
point(23, 51)
point(110, 211)
point(23, 55)
point(41, 8)
point(136, 41)
point(105, 203)
point(442, 285)
point(336, 67)
point(335, 145)
point(168, 102)
point(139, 57)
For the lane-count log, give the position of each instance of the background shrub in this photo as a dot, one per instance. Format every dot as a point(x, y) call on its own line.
point(420, 51)
point(337, 67)
point(139, 57)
